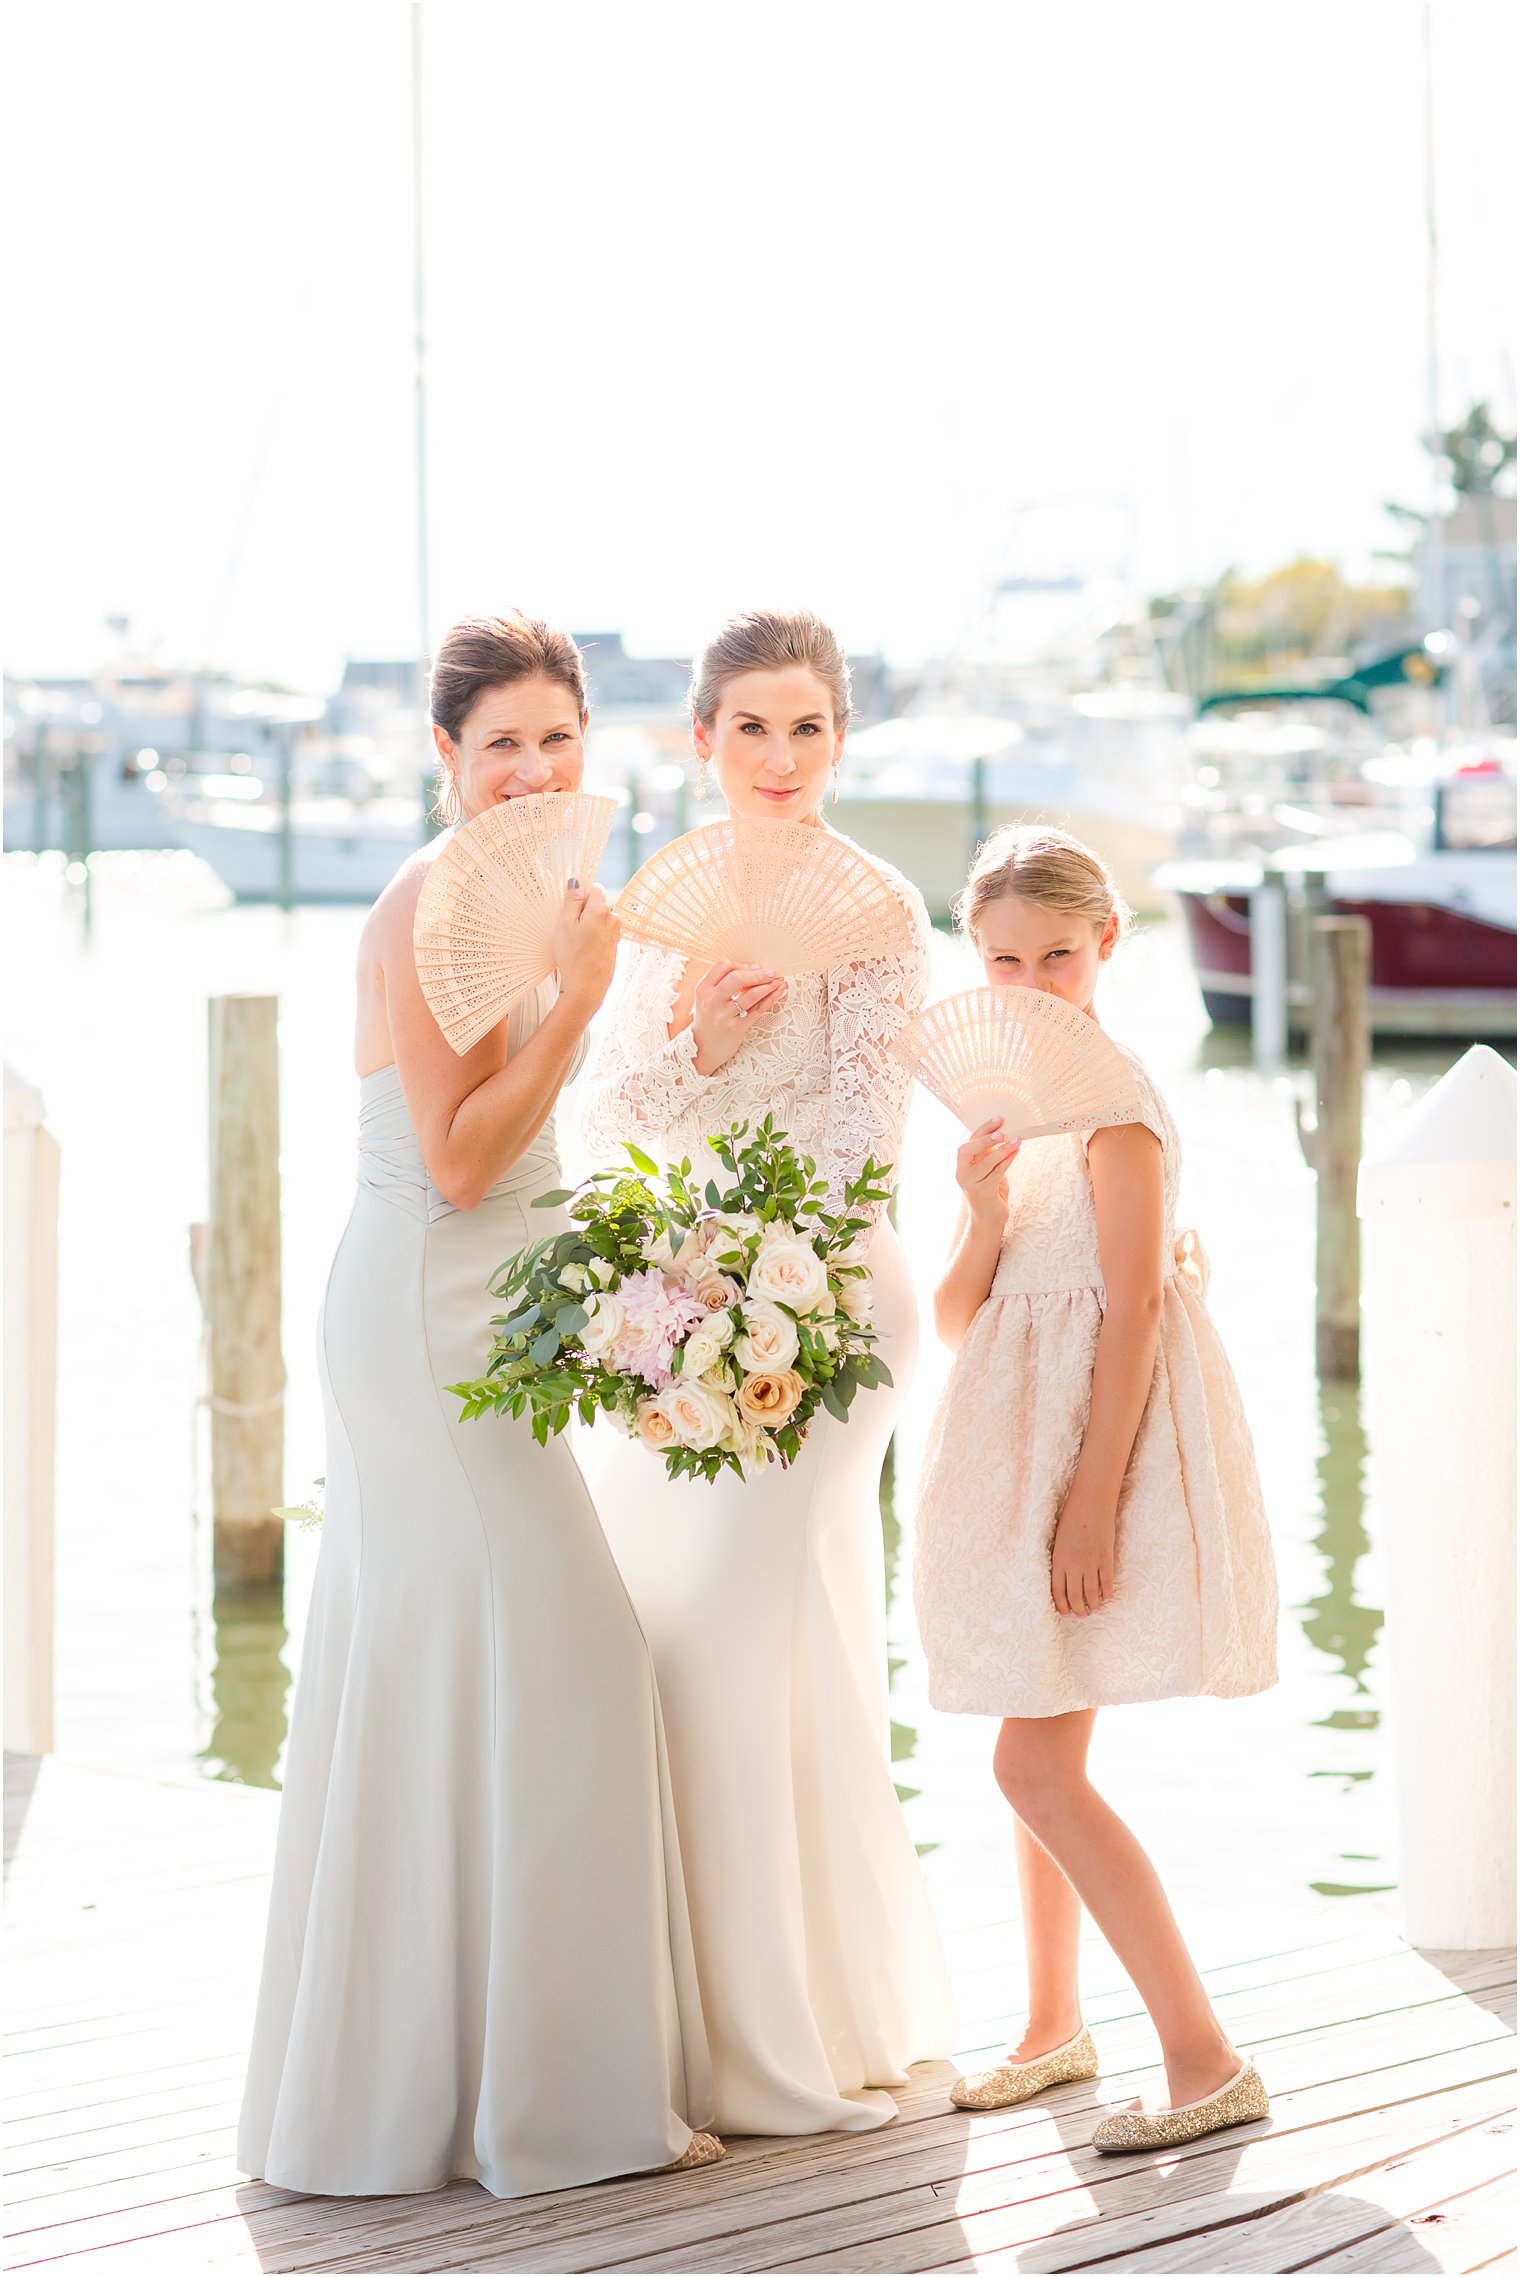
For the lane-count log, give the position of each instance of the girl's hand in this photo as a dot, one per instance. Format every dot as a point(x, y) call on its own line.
point(585, 947)
point(1082, 1560)
point(727, 999)
point(981, 1172)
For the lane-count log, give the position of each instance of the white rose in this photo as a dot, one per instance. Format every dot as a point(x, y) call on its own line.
point(769, 1340)
point(700, 1417)
point(703, 1348)
point(573, 1278)
point(790, 1272)
point(599, 1272)
point(604, 1325)
point(660, 1251)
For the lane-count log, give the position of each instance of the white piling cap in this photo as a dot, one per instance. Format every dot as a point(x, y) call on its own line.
point(24, 1110)
point(1453, 1155)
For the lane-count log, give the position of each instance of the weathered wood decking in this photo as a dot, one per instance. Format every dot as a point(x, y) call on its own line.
point(135, 1924)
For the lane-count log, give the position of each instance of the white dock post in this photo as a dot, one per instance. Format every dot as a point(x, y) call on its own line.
point(1438, 1205)
point(31, 1379)
point(1269, 972)
point(242, 1295)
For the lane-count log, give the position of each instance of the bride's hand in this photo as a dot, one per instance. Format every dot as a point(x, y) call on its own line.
point(585, 947)
point(728, 997)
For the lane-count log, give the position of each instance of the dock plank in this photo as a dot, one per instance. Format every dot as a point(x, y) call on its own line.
point(132, 1995)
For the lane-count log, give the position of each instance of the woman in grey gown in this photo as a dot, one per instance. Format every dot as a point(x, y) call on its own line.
point(478, 1959)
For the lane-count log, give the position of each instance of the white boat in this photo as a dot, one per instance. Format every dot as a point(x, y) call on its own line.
point(924, 790)
point(337, 849)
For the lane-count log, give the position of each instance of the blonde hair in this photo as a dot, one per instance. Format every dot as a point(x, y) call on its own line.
point(1047, 867)
point(769, 640)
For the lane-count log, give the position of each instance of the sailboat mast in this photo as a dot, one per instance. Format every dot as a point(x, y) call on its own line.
point(424, 606)
point(1434, 596)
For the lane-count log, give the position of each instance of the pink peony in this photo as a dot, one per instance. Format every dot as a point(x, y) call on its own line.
point(657, 1312)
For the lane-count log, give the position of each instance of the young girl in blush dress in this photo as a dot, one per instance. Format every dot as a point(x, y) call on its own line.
point(1090, 1529)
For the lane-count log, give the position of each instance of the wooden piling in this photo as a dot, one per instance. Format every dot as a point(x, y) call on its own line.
point(242, 1295)
point(1340, 950)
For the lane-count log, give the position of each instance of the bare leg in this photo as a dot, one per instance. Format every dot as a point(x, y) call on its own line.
point(1052, 1913)
point(1040, 1763)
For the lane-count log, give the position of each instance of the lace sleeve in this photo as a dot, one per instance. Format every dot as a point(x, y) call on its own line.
point(643, 1086)
point(870, 1005)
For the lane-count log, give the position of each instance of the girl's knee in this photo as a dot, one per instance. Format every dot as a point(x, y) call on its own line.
point(1033, 1779)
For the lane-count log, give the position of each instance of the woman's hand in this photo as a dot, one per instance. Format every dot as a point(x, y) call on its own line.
point(728, 997)
point(585, 947)
point(1082, 1558)
point(981, 1172)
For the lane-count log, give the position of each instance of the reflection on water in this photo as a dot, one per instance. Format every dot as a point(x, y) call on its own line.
point(249, 1686)
point(1336, 1622)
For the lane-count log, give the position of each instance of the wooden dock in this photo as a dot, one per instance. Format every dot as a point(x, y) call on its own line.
point(135, 1920)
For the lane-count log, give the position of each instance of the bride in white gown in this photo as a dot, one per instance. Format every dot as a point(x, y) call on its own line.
point(763, 1600)
point(478, 1960)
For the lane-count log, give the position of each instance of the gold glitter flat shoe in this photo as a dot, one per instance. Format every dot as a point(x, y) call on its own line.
point(1015, 2083)
point(1240, 2100)
point(702, 2150)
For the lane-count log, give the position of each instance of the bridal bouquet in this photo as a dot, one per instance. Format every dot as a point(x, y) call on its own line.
point(713, 1325)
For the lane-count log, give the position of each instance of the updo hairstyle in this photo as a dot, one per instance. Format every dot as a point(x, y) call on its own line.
point(480, 653)
point(1047, 867)
point(769, 640)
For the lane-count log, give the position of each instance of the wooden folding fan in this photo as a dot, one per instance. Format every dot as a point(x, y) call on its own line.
point(1017, 1052)
point(783, 894)
point(484, 931)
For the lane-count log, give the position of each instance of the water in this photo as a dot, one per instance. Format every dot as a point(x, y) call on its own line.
point(1291, 1788)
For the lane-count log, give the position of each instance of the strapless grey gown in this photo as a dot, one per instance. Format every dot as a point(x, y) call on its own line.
point(478, 1960)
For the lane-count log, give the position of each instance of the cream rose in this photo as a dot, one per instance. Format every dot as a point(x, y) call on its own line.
point(604, 1325)
point(769, 1340)
point(653, 1426)
point(573, 1278)
point(717, 1291)
point(771, 1397)
point(790, 1272)
point(703, 1349)
point(699, 1416)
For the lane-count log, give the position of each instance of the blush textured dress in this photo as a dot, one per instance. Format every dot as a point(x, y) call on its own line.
point(1194, 1607)
point(763, 1600)
point(478, 1959)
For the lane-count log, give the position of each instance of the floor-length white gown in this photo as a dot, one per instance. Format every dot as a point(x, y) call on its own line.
point(764, 1600)
point(478, 1959)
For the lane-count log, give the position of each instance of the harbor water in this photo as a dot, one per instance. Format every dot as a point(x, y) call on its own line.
point(1287, 1793)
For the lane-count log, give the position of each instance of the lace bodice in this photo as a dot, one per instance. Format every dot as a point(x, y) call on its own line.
point(821, 1061)
point(1052, 1238)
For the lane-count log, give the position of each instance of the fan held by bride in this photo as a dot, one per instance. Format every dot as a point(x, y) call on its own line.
point(1030, 1057)
point(787, 895)
point(484, 930)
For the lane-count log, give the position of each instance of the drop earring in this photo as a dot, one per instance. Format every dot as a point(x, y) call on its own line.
point(699, 788)
point(836, 783)
point(448, 801)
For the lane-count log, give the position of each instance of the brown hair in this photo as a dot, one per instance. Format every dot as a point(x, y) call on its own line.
point(488, 652)
point(769, 640)
point(1047, 867)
